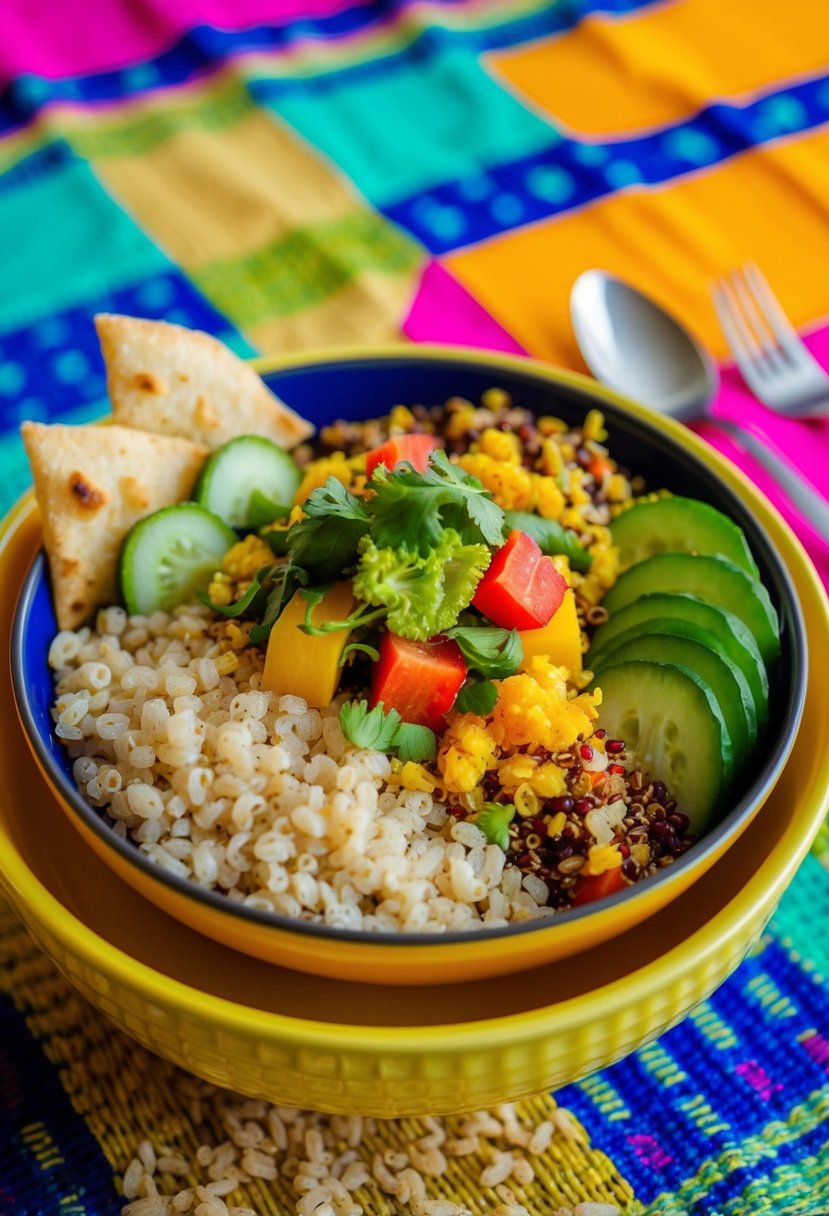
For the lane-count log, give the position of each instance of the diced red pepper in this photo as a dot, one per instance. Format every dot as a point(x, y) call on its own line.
point(590, 887)
point(522, 588)
point(415, 449)
point(418, 679)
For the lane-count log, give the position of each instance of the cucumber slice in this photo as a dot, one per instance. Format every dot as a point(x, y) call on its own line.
point(249, 467)
point(735, 639)
point(679, 525)
point(715, 671)
point(712, 578)
point(671, 722)
point(664, 629)
point(169, 556)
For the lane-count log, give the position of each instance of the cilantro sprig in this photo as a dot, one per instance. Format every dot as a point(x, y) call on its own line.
point(383, 730)
point(411, 509)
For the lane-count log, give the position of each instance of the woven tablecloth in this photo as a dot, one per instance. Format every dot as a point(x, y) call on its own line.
point(288, 175)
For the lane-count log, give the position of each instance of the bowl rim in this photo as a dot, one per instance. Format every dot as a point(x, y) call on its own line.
point(695, 857)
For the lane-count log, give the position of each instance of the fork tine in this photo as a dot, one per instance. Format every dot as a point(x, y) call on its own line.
point(730, 321)
point(752, 310)
point(776, 319)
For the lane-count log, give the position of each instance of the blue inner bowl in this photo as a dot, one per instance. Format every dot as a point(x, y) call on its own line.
point(367, 387)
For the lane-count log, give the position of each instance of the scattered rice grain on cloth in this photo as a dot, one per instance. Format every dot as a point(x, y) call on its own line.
point(342, 1166)
point(259, 796)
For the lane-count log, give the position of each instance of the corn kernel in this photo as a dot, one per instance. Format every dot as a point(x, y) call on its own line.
point(601, 858)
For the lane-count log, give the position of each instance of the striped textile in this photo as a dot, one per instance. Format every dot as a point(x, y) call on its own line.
point(288, 174)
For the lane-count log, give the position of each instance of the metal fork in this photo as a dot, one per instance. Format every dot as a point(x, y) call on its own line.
point(773, 360)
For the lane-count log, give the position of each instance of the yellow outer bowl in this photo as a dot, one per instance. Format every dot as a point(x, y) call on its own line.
point(349, 1066)
point(385, 960)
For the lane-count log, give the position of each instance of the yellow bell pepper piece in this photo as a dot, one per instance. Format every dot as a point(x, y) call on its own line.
point(560, 639)
point(301, 665)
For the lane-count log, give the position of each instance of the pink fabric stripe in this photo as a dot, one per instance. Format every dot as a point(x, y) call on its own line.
point(444, 312)
point(804, 444)
point(53, 38)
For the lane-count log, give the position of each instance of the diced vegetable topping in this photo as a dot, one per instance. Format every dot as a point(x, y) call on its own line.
point(550, 537)
point(302, 666)
point(590, 887)
point(559, 639)
point(419, 679)
point(411, 449)
point(522, 588)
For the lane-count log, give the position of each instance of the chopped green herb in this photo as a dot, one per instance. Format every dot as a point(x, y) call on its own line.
point(491, 652)
point(253, 599)
point(550, 537)
point(494, 819)
point(416, 743)
point(477, 697)
point(369, 728)
point(383, 731)
point(407, 506)
point(359, 648)
point(280, 588)
point(263, 510)
point(325, 542)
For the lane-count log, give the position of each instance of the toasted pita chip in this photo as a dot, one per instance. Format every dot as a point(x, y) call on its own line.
point(92, 485)
point(179, 381)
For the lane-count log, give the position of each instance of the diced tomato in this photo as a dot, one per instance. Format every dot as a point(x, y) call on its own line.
point(416, 449)
point(596, 886)
point(418, 679)
point(522, 588)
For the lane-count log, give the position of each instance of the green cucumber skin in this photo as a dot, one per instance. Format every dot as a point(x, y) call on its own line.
point(141, 554)
point(252, 463)
point(733, 635)
point(690, 654)
point(651, 691)
point(679, 525)
point(667, 627)
point(714, 578)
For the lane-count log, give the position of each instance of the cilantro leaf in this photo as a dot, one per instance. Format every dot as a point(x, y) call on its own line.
point(415, 743)
point(550, 537)
point(370, 728)
point(325, 542)
point(408, 507)
point(492, 652)
point(494, 819)
point(253, 599)
point(263, 510)
point(281, 585)
point(477, 697)
point(422, 595)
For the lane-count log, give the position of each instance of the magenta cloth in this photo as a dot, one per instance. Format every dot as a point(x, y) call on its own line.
point(443, 311)
point(96, 35)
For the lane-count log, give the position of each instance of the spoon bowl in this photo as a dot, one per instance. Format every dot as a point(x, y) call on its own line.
point(637, 348)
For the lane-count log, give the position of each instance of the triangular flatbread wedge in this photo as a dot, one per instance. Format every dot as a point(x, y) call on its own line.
point(177, 381)
point(92, 484)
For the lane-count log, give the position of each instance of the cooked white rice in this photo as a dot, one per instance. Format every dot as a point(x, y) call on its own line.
point(221, 782)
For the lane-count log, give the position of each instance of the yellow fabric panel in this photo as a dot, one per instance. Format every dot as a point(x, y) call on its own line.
point(205, 194)
point(367, 310)
point(615, 75)
point(768, 204)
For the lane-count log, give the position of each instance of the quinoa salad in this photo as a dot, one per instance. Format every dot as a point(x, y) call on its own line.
point(448, 669)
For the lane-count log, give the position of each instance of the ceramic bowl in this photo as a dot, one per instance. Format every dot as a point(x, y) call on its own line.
point(365, 385)
point(353, 1048)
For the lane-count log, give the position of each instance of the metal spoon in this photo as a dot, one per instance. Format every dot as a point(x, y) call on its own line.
point(636, 348)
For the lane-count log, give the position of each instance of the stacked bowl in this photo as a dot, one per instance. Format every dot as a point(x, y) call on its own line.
point(350, 1022)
